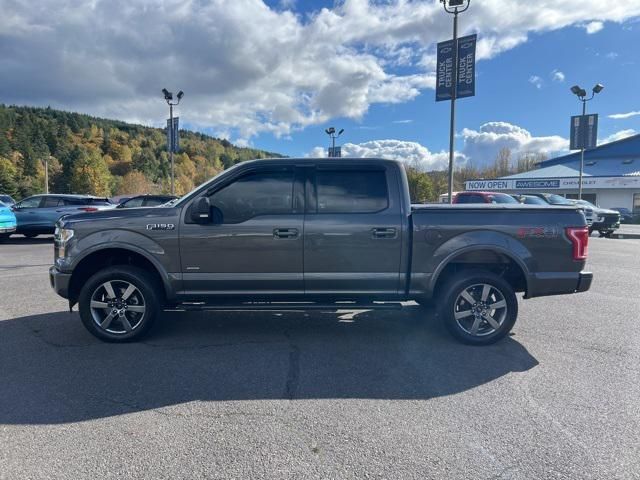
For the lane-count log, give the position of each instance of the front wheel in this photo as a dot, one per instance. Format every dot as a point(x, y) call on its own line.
point(479, 307)
point(119, 304)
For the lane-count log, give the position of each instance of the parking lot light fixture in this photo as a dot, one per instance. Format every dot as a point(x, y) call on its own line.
point(581, 93)
point(168, 96)
point(331, 131)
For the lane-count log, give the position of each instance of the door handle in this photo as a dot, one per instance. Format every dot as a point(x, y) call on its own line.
point(285, 232)
point(383, 233)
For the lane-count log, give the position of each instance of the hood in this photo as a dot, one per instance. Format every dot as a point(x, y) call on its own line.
point(6, 212)
point(118, 214)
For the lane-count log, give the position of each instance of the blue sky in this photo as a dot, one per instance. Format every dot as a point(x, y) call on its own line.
point(505, 93)
point(274, 75)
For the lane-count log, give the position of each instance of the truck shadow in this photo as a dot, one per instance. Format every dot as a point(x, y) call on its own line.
point(54, 372)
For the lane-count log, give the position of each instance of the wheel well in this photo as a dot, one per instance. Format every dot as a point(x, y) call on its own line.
point(109, 257)
point(495, 262)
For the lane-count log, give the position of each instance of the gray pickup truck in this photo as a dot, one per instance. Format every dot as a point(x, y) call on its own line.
point(297, 234)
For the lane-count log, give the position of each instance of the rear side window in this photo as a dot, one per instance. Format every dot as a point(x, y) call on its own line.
point(351, 191)
point(154, 202)
point(259, 193)
point(470, 199)
point(51, 202)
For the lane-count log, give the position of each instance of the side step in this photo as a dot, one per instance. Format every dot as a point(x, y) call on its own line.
point(284, 306)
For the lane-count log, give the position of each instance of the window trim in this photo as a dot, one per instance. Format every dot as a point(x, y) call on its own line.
point(349, 168)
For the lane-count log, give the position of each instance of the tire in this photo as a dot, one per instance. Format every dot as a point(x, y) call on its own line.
point(476, 322)
point(4, 237)
point(590, 231)
point(120, 304)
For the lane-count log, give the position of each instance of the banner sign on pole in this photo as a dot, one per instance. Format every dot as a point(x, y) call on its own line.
point(335, 152)
point(173, 139)
point(466, 86)
point(584, 132)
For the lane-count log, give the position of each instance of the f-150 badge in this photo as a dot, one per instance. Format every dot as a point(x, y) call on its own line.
point(161, 226)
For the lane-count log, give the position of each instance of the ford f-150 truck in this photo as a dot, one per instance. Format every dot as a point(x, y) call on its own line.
point(296, 234)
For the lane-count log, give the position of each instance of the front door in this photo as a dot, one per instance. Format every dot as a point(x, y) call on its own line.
point(254, 245)
point(353, 232)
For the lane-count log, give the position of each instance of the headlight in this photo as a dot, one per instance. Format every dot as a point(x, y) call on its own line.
point(63, 235)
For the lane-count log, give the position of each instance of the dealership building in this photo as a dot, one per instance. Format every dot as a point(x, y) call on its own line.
point(611, 176)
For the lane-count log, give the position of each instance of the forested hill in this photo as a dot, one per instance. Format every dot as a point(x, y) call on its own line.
point(102, 157)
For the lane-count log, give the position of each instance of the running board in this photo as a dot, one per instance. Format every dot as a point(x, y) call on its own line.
point(285, 306)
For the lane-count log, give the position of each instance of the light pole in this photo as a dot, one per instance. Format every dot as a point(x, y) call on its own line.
point(168, 96)
point(581, 93)
point(331, 131)
point(46, 174)
point(454, 7)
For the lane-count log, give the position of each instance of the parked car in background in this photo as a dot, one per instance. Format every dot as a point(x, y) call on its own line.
point(483, 197)
point(559, 200)
point(146, 201)
point(530, 200)
point(7, 221)
point(605, 221)
point(626, 215)
point(7, 200)
point(38, 214)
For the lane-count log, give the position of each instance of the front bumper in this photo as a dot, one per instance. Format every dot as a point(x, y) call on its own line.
point(7, 229)
point(59, 281)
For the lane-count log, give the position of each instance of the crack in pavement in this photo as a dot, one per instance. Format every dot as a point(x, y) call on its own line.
point(293, 373)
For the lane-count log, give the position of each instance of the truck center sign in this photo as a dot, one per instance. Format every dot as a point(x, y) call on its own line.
point(552, 183)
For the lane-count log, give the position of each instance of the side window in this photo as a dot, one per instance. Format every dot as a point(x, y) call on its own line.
point(134, 202)
point(259, 193)
point(32, 202)
point(351, 191)
point(153, 202)
point(50, 202)
point(470, 199)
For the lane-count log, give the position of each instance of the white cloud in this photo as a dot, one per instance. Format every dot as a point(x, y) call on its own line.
point(412, 153)
point(247, 68)
point(557, 76)
point(622, 116)
point(402, 121)
point(593, 27)
point(536, 81)
point(481, 146)
point(618, 135)
point(612, 55)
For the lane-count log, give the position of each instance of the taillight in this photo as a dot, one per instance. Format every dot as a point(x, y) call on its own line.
point(88, 209)
point(579, 237)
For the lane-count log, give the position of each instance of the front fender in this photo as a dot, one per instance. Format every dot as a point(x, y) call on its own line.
point(130, 241)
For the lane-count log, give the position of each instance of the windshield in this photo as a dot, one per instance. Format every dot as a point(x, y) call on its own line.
point(554, 199)
point(502, 198)
point(534, 201)
point(584, 202)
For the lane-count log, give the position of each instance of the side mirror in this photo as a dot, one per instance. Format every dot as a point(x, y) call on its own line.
point(201, 210)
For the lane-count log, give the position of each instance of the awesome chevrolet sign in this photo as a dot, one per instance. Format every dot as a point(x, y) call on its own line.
point(551, 184)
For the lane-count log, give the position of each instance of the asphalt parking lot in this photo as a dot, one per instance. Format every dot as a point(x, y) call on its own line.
point(322, 395)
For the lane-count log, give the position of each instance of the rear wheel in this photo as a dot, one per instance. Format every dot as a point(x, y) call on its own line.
point(119, 304)
point(479, 307)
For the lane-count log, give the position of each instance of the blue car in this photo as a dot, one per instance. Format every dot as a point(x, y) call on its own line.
point(38, 214)
point(7, 222)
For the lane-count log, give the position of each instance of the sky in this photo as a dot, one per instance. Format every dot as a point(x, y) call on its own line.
point(274, 74)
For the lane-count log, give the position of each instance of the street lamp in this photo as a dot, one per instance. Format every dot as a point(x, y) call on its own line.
point(454, 7)
point(331, 131)
point(168, 96)
point(581, 93)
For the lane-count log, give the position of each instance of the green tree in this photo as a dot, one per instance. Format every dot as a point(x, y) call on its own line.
point(8, 175)
point(90, 174)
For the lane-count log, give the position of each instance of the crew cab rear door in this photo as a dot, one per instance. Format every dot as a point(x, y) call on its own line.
point(352, 230)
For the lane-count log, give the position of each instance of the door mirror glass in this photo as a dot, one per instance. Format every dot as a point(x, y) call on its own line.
point(201, 210)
